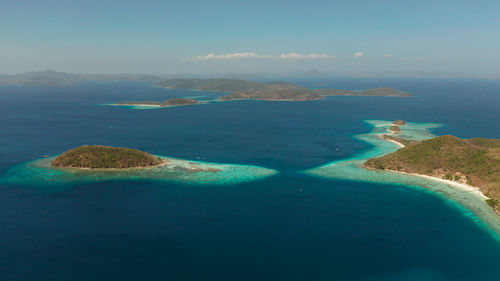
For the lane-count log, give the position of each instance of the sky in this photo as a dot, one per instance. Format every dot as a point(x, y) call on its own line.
point(236, 36)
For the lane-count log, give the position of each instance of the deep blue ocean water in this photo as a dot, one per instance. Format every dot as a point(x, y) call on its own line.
point(290, 226)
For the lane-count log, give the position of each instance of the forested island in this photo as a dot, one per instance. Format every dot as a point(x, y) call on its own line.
point(105, 157)
point(166, 103)
point(279, 91)
point(474, 162)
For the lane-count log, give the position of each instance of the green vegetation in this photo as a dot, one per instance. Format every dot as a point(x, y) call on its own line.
point(376, 92)
point(492, 202)
point(395, 129)
point(241, 89)
point(105, 157)
point(474, 161)
point(175, 102)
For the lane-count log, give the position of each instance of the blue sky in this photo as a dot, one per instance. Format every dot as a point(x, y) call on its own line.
point(249, 36)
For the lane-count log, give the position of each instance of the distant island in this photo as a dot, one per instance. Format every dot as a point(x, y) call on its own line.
point(170, 102)
point(51, 78)
point(105, 157)
point(474, 162)
point(279, 91)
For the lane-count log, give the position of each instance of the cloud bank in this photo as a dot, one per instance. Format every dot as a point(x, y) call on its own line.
point(307, 56)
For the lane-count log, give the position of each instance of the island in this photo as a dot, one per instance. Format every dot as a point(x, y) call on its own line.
point(474, 162)
point(51, 78)
point(105, 157)
point(462, 172)
point(166, 103)
point(274, 91)
point(97, 163)
point(395, 129)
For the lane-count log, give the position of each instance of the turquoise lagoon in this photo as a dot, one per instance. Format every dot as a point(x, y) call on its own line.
point(471, 204)
point(287, 226)
point(40, 172)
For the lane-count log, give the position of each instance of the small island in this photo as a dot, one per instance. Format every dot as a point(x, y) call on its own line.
point(105, 157)
point(395, 129)
point(97, 163)
point(237, 89)
point(272, 91)
point(474, 162)
point(166, 103)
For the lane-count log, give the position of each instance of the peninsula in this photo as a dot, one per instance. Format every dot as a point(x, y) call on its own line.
point(278, 91)
point(474, 162)
point(426, 165)
point(105, 157)
point(166, 103)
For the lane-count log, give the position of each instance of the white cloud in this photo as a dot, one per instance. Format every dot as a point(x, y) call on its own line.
point(358, 54)
point(230, 56)
point(419, 58)
point(445, 58)
point(238, 56)
point(306, 56)
point(388, 55)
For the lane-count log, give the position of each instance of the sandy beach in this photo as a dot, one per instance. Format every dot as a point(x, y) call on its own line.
point(395, 142)
point(136, 104)
point(471, 189)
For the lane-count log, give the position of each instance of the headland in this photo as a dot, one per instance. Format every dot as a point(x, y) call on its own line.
point(467, 198)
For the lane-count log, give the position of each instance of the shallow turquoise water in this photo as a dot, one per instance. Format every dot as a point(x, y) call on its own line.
point(474, 207)
point(39, 172)
point(288, 226)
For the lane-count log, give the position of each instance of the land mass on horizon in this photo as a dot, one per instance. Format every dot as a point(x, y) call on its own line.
point(57, 78)
point(278, 90)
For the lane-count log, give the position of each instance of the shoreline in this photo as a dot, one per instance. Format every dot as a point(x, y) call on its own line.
point(163, 163)
point(469, 188)
point(156, 105)
point(468, 199)
point(136, 104)
point(39, 172)
point(257, 99)
point(395, 142)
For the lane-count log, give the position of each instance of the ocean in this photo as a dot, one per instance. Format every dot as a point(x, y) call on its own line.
point(287, 226)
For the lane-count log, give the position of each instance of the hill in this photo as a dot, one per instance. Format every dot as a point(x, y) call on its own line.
point(105, 157)
point(55, 78)
point(472, 161)
point(278, 90)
